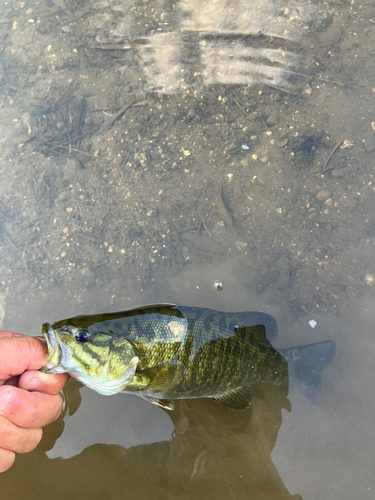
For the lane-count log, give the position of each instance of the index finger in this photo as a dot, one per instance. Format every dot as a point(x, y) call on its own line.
point(5, 333)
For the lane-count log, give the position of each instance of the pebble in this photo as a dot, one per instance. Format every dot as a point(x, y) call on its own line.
point(272, 119)
point(340, 172)
point(22, 286)
point(241, 245)
point(70, 168)
point(368, 142)
point(369, 279)
point(88, 277)
point(323, 194)
point(331, 36)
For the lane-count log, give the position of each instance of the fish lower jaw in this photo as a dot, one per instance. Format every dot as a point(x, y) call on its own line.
point(49, 335)
point(104, 385)
point(51, 368)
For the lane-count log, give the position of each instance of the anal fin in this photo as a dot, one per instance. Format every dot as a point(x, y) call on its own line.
point(166, 404)
point(236, 399)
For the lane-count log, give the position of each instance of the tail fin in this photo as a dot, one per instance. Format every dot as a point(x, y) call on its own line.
point(307, 362)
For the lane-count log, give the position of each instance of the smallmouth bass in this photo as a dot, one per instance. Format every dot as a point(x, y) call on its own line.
point(167, 352)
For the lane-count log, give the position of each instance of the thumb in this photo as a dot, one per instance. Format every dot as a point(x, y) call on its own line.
point(19, 353)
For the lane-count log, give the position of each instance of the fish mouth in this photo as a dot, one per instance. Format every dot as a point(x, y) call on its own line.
point(50, 336)
point(57, 352)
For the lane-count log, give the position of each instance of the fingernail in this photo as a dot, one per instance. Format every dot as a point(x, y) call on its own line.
point(32, 385)
point(5, 399)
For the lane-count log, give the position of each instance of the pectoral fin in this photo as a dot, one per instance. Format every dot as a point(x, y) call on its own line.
point(236, 399)
point(166, 404)
point(160, 376)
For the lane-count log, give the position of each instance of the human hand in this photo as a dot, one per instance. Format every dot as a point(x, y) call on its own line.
point(29, 399)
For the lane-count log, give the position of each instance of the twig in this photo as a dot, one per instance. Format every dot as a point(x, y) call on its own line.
point(13, 245)
point(23, 258)
point(121, 46)
point(330, 156)
point(315, 77)
point(70, 149)
point(242, 109)
point(221, 209)
point(230, 152)
point(111, 120)
point(205, 227)
point(293, 90)
point(186, 229)
point(313, 179)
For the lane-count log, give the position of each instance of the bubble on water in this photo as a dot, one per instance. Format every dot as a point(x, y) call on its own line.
point(218, 285)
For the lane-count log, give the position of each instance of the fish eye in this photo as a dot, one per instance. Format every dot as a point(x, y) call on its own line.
point(82, 336)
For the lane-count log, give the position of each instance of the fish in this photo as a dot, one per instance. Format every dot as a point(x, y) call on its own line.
point(166, 352)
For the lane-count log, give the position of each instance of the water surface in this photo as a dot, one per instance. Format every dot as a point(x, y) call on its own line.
point(148, 150)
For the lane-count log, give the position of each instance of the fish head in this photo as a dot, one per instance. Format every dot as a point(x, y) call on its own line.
point(100, 360)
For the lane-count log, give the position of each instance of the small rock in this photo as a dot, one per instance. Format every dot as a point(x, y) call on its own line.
point(323, 194)
point(241, 245)
point(272, 119)
point(22, 286)
point(204, 243)
point(369, 143)
point(369, 279)
point(87, 276)
point(70, 168)
point(331, 36)
point(340, 172)
point(370, 11)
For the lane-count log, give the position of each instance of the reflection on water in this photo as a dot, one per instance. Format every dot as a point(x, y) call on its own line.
point(207, 447)
point(213, 452)
point(218, 59)
point(120, 122)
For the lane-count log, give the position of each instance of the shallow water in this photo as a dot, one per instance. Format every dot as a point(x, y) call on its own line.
point(269, 105)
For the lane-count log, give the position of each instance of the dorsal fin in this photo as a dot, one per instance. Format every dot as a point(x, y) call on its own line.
point(236, 399)
point(252, 318)
point(256, 334)
point(151, 306)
